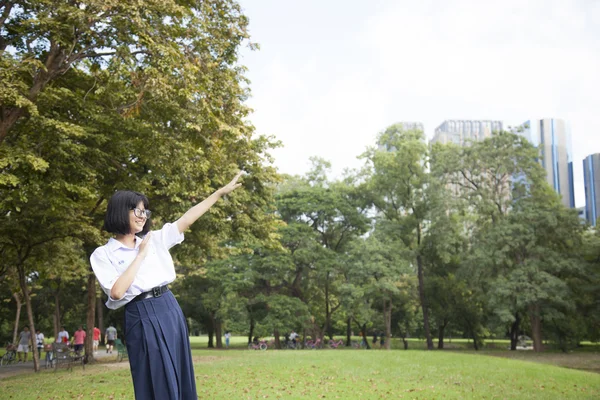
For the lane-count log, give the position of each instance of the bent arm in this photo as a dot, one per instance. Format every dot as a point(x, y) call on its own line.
point(126, 279)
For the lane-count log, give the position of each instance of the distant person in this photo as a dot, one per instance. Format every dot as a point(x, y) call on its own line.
point(24, 341)
point(293, 337)
point(79, 339)
point(227, 337)
point(374, 338)
point(63, 336)
point(111, 336)
point(96, 340)
point(382, 340)
point(39, 339)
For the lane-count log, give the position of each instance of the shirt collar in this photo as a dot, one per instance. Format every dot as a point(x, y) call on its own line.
point(113, 244)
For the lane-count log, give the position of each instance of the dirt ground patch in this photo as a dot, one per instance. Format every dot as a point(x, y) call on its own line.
point(583, 361)
point(208, 359)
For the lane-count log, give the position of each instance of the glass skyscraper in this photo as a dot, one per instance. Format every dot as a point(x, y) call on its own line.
point(460, 132)
point(591, 176)
point(553, 138)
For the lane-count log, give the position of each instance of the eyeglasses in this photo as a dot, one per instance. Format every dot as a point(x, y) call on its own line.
point(138, 212)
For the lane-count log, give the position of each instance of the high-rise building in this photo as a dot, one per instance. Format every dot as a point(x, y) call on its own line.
point(407, 126)
point(591, 176)
point(553, 138)
point(460, 132)
point(412, 126)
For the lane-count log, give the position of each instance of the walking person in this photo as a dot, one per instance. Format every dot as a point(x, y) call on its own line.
point(79, 339)
point(39, 340)
point(227, 337)
point(293, 337)
point(96, 339)
point(24, 341)
point(63, 336)
point(134, 273)
point(111, 336)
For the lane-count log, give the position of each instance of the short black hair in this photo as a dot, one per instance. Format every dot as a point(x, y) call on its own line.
point(116, 219)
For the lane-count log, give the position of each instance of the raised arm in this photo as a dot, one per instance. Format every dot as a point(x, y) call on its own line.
point(199, 209)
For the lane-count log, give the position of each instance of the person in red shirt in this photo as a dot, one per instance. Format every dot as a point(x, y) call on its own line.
point(79, 339)
point(96, 339)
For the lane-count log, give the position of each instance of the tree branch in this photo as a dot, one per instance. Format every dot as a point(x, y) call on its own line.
point(7, 5)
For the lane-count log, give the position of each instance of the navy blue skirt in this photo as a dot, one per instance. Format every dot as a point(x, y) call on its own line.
point(159, 350)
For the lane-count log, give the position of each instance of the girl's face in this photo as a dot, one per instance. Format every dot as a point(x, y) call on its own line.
point(137, 218)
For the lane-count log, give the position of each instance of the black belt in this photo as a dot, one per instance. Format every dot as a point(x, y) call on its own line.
point(155, 292)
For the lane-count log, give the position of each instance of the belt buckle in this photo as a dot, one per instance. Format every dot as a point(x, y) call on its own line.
point(156, 292)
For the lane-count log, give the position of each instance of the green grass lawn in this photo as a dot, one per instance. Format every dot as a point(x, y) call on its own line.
point(337, 374)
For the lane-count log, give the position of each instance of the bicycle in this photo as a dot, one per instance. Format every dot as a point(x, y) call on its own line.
point(334, 345)
point(10, 356)
point(313, 344)
point(359, 345)
point(262, 345)
point(291, 345)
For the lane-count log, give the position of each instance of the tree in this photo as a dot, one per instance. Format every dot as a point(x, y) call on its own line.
point(98, 96)
point(380, 270)
point(336, 214)
point(586, 285)
point(157, 47)
point(522, 244)
point(400, 191)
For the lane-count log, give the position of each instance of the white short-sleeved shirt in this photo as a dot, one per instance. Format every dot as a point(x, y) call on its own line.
point(157, 269)
point(61, 335)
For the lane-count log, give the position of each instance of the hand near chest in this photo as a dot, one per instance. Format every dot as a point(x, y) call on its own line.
point(144, 246)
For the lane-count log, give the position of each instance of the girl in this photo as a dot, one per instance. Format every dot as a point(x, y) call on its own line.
point(134, 273)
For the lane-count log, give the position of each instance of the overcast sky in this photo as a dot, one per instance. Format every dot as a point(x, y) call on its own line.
point(331, 74)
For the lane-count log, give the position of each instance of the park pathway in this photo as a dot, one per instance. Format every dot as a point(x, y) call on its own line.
point(24, 368)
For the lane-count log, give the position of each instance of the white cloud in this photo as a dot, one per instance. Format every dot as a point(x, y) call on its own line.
point(331, 75)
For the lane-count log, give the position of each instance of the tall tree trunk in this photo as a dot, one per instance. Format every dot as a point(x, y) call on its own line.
point(218, 333)
point(251, 331)
point(536, 327)
point(327, 309)
point(57, 324)
point(276, 337)
point(25, 290)
point(349, 332)
point(363, 330)
point(514, 332)
point(441, 329)
point(473, 334)
point(387, 315)
point(475, 341)
point(363, 333)
point(211, 333)
point(91, 317)
point(423, 299)
point(100, 313)
point(17, 316)
point(211, 330)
